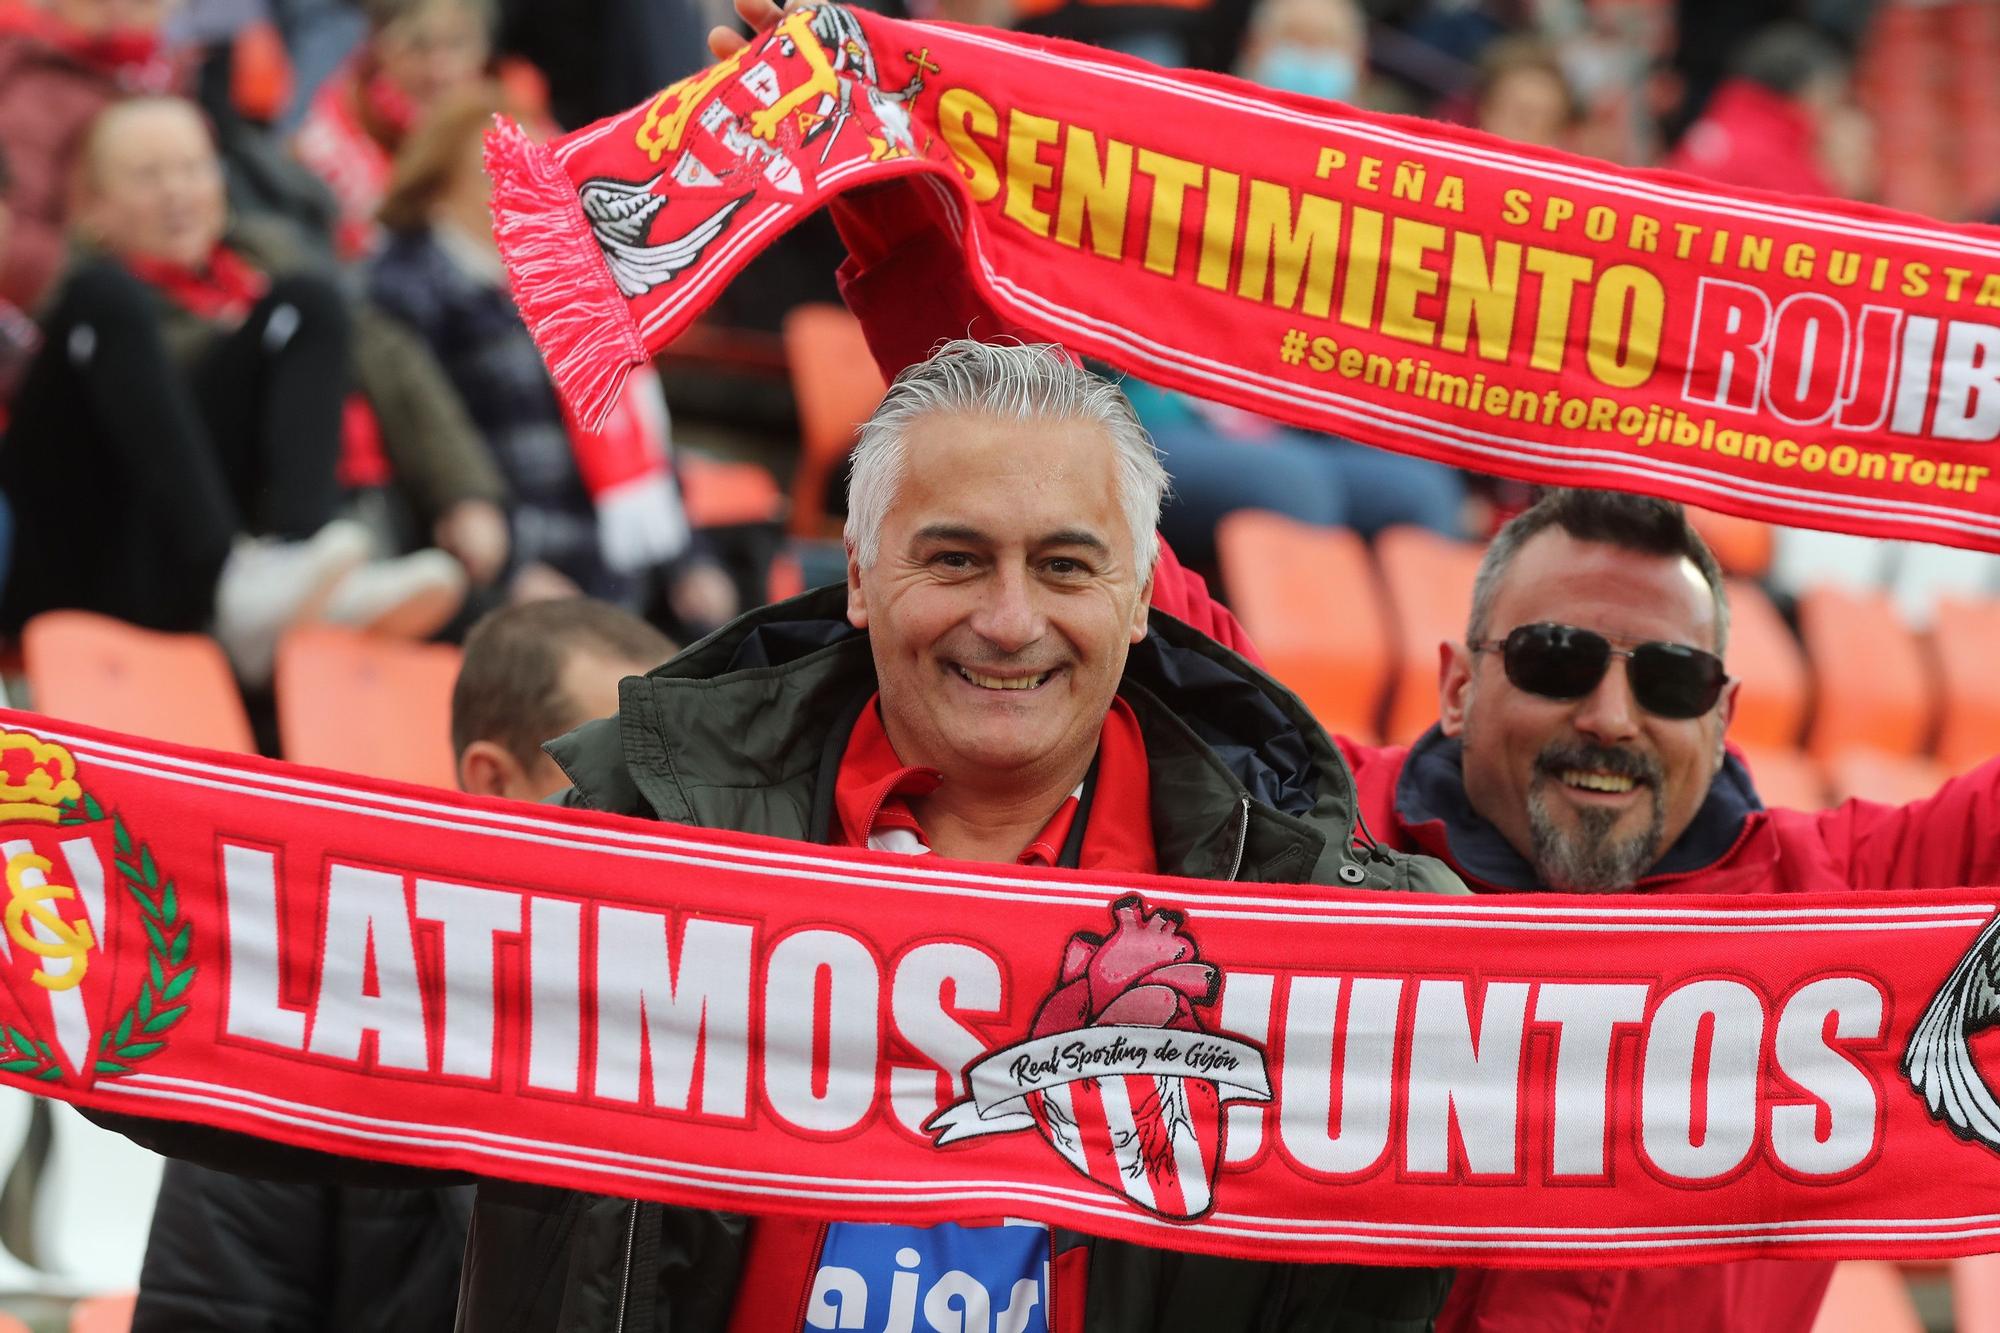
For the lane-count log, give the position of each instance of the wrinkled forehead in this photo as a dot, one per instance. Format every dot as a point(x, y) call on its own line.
point(1014, 477)
point(1627, 596)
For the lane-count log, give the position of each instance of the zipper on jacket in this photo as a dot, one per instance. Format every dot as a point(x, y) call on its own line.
point(625, 1286)
point(1242, 838)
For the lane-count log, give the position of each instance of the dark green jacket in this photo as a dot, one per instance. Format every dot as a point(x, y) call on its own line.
point(745, 731)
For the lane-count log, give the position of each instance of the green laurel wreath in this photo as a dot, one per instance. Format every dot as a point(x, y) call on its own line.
point(141, 1030)
point(22, 1054)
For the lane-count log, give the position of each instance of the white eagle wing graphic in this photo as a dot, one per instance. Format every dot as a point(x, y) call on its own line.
point(846, 41)
point(621, 213)
point(1938, 1061)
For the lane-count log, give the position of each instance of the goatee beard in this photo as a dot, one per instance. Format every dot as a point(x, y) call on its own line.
point(1587, 857)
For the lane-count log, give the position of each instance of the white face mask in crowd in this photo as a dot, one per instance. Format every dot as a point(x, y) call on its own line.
point(1312, 71)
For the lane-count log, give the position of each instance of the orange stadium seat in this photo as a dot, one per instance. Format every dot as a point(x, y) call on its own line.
point(1973, 38)
point(1786, 779)
point(1429, 579)
point(787, 578)
point(168, 687)
point(1764, 655)
point(1892, 779)
point(363, 704)
point(1742, 546)
point(1867, 1296)
point(1966, 635)
point(727, 495)
point(1310, 600)
point(836, 385)
point(1874, 687)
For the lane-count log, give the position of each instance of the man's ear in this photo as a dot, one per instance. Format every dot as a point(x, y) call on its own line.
point(1728, 707)
point(857, 600)
point(1454, 686)
point(487, 769)
point(1144, 606)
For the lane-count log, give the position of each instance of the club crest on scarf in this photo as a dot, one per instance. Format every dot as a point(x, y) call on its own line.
point(757, 125)
point(1119, 1075)
point(80, 892)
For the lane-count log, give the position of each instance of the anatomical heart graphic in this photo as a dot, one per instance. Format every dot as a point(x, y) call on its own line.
point(1118, 1074)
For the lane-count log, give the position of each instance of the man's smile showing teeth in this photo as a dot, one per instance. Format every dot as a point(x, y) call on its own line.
point(1589, 781)
point(1002, 682)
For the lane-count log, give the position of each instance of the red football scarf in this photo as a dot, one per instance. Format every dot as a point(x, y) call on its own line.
point(724, 1021)
point(1408, 284)
point(627, 467)
point(224, 290)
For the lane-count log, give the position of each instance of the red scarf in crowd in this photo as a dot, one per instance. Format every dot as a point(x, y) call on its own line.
point(222, 290)
point(718, 1020)
point(1413, 285)
point(626, 464)
point(348, 138)
point(133, 57)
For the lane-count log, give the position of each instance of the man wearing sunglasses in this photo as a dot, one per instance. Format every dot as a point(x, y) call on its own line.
point(1580, 747)
point(1582, 717)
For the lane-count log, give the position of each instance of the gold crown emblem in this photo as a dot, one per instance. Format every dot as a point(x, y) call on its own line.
point(36, 777)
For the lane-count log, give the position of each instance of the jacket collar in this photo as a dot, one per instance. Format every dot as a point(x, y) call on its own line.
point(744, 730)
point(1431, 803)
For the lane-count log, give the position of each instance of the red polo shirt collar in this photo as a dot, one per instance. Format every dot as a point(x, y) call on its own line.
point(874, 787)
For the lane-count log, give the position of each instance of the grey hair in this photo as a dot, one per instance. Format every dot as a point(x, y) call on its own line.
point(1633, 522)
point(1018, 382)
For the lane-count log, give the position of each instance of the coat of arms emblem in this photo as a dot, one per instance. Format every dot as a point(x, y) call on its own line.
point(94, 951)
point(1119, 1074)
point(760, 123)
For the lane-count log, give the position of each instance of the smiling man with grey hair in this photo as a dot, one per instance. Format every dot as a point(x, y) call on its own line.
point(1000, 551)
point(990, 685)
point(1025, 383)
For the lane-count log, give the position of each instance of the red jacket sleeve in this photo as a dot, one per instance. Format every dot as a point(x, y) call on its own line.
point(1948, 840)
point(905, 278)
point(1183, 594)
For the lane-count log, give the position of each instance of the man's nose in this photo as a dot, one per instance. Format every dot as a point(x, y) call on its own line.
point(1609, 713)
point(1009, 616)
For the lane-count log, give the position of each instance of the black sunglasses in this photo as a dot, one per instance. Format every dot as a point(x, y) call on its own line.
point(1564, 662)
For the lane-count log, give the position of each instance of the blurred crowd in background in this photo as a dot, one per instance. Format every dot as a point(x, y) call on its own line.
point(260, 373)
point(259, 367)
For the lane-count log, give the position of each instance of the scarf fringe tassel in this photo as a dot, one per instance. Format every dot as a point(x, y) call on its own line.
point(566, 295)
